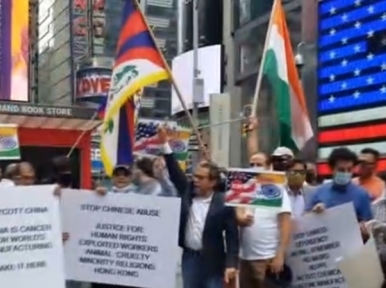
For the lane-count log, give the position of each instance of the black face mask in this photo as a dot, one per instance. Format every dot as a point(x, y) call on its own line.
point(65, 179)
point(279, 166)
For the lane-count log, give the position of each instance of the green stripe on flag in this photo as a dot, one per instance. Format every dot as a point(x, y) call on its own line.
point(183, 156)
point(10, 154)
point(268, 202)
point(282, 99)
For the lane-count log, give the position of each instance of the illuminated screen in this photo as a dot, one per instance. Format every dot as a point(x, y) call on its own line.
point(351, 75)
point(14, 50)
point(209, 64)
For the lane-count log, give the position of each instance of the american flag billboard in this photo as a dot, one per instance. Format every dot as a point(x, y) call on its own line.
point(351, 77)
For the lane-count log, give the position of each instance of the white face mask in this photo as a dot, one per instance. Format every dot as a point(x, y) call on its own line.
point(125, 189)
point(342, 178)
point(258, 168)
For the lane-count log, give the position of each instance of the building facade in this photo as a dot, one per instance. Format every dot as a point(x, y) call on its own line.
point(210, 23)
point(245, 25)
point(71, 33)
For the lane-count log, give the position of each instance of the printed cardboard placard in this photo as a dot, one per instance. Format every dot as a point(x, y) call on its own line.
point(251, 188)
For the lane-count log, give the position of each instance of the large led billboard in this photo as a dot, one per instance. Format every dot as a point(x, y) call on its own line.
point(209, 65)
point(351, 76)
point(14, 47)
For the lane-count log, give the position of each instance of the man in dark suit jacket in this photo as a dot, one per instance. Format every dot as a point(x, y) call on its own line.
point(207, 262)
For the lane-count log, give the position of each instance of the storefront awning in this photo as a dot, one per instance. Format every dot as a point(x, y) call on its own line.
point(48, 117)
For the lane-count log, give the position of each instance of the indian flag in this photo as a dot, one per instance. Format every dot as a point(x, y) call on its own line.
point(279, 66)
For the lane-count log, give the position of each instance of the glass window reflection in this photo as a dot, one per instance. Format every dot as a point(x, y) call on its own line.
point(249, 10)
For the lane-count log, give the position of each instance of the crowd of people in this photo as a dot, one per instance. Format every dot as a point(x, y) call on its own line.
point(223, 244)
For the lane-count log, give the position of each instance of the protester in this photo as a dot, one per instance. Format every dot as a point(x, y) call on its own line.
point(121, 180)
point(311, 175)
point(257, 159)
point(8, 179)
point(25, 174)
point(162, 175)
point(281, 158)
point(205, 222)
point(265, 237)
point(368, 179)
point(62, 174)
point(144, 177)
point(341, 189)
point(299, 193)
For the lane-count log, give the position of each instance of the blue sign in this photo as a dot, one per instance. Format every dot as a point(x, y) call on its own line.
point(352, 55)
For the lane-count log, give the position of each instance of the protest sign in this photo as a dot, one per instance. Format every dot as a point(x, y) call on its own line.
point(363, 268)
point(254, 189)
point(318, 242)
point(31, 245)
point(121, 239)
point(147, 143)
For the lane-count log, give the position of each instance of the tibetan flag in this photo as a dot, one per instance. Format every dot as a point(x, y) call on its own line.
point(138, 63)
point(279, 67)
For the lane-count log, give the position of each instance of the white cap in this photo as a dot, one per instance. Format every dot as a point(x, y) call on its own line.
point(283, 151)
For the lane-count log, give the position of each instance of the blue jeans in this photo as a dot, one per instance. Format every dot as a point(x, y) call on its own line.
point(194, 273)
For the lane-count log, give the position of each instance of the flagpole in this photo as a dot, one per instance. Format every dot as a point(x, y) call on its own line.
point(173, 81)
point(261, 68)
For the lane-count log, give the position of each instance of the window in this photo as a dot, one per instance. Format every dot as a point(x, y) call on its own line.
point(248, 10)
point(162, 105)
point(160, 11)
point(249, 49)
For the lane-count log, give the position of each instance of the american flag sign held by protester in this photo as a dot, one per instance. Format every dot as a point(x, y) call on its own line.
point(147, 143)
point(248, 187)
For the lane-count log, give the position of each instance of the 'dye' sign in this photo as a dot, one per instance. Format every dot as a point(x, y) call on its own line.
point(93, 82)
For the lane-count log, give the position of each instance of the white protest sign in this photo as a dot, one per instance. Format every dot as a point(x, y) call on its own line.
point(318, 242)
point(31, 248)
point(363, 268)
point(121, 239)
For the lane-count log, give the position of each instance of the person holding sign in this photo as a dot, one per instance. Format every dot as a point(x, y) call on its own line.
point(342, 190)
point(204, 221)
point(265, 236)
point(8, 179)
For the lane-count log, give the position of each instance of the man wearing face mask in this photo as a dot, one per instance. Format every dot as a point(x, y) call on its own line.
point(299, 193)
point(257, 160)
point(281, 159)
point(341, 189)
